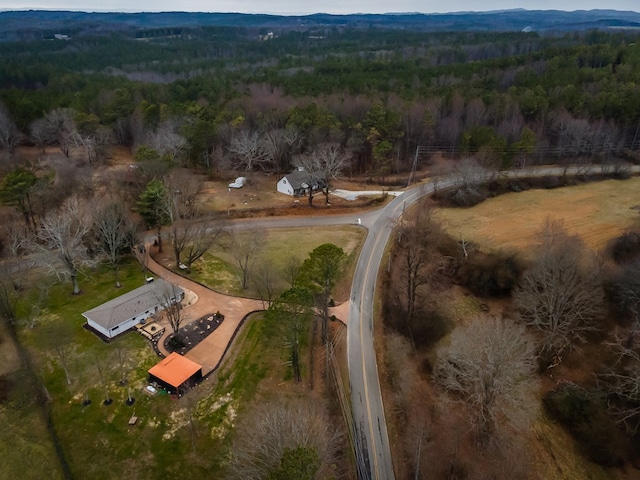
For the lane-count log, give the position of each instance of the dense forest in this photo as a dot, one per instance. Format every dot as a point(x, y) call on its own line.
point(204, 95)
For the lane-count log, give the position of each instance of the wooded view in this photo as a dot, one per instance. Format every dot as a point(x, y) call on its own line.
point(118, 143)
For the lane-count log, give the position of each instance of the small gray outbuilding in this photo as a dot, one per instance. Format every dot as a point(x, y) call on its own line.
point(124, 312)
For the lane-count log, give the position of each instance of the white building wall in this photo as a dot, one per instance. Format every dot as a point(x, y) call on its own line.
point(283, 186)
point(94, 325)
point(124, 326)
point(132, 322)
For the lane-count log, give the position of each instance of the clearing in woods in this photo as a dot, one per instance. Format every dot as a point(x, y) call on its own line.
point(597, 212)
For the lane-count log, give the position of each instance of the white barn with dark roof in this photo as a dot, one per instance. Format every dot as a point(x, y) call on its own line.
point(124, 312)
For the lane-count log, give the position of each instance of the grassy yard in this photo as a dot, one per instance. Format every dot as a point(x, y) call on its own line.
point(96, 439)
point(25, 444)
point(557, 456)
point(218, 269)
point(596, 211)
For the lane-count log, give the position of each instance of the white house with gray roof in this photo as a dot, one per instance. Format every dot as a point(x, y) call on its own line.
point(124, 312)
point(298, 182)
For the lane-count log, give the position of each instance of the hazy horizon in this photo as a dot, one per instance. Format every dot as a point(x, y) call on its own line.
point(290, 7)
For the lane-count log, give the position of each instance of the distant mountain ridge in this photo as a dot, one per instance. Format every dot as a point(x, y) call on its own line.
point(28, 23)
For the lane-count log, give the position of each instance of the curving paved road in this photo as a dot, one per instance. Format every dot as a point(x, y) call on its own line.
point(373, 453)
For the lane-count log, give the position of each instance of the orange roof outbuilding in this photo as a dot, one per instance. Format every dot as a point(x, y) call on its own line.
point(175, 369)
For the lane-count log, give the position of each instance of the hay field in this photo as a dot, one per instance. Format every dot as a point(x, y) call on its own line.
point(595, 211)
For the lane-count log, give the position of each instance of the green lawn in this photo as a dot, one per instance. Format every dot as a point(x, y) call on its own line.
point(25, 444)
point(96, 439)
point(218, 269)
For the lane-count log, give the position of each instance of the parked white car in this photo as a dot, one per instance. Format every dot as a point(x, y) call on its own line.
point(239, 183)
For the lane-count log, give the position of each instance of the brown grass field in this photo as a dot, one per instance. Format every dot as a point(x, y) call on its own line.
point(597, 212)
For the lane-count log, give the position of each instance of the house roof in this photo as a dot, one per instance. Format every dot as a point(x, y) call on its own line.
point(128, 305)
point(175, 369)
point(302, 179)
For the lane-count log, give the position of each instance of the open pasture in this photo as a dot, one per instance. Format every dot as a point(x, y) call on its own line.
point(597, 212)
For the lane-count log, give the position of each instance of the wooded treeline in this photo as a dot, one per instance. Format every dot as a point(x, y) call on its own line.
point(554, 330)
point(507, 98)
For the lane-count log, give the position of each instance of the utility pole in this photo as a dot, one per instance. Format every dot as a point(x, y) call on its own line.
point(420, 149)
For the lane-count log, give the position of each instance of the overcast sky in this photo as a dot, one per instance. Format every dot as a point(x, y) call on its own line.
point(297, 7)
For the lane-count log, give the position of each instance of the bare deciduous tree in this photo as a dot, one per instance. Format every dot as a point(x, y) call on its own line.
point(191, 403)
point(417, 239)
point(171, 307)
point(60, 127)
point(326, 159)
point(103, 367)
point(244, 248)
point(489, 366)
point(57, 337)
point(560, 295)
point(41, 133)
point(88, 143)
point(36, 305)
point(265, 282)
point(451, 124)
point(291, 270)
point(199, 237)
point(94, 142)
point(167, 141)
point(19, 265)
point(578, 136)
point(122, 362)
point(8, 294)
point(185, 186)
point(14, 273)
point(115, 234)
point(269, 436)
point(440, 172)
point(63, 351)
point(399, 370)
point(248, 151)
point(10, 136)
point(620, 381)
point(469, 177)
point(192, 233)
point(64, 233)
point(476, 113)
point(626, 288)
point(279, 145)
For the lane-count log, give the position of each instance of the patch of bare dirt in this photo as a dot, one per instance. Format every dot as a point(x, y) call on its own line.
point(259, 198)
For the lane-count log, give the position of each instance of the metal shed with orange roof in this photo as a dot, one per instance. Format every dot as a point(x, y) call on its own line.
point(176, 373)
